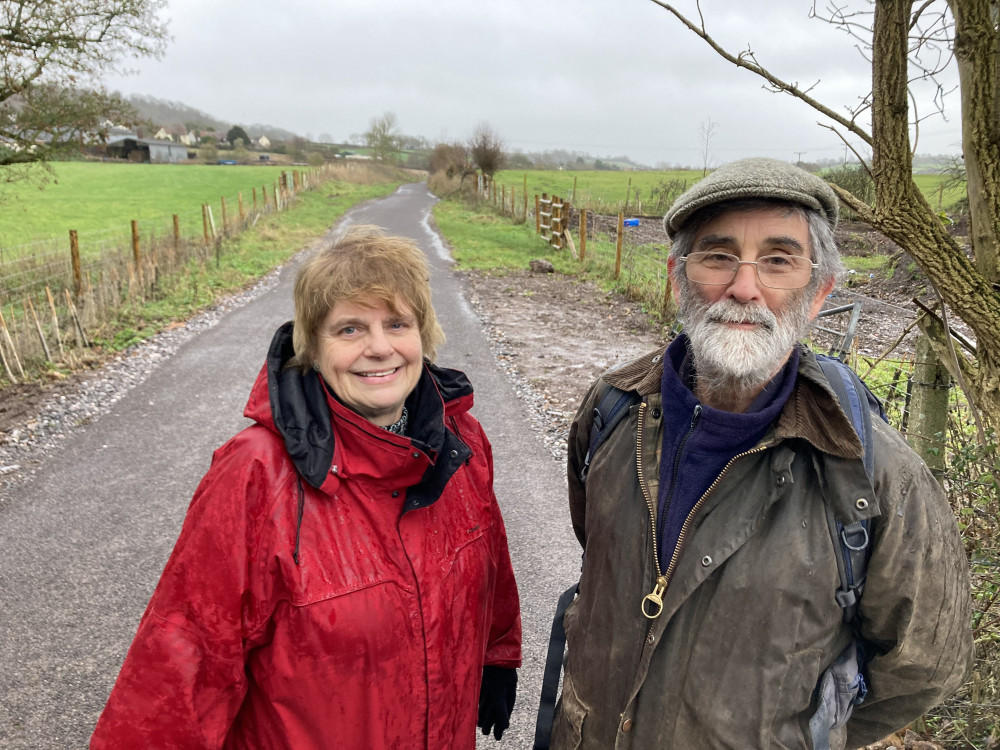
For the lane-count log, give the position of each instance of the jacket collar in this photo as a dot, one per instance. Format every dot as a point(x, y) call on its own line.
point(324, 438)
point(811, 413)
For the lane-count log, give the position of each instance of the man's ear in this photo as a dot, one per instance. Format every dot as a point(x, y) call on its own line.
point(820, 298)
point(672, 275)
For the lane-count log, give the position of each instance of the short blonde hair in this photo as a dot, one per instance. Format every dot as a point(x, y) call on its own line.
point(363, 263)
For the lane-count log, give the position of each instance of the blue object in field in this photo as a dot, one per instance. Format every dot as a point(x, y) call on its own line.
point(631, 222)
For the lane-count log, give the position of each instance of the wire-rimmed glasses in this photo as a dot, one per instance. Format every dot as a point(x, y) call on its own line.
point(778, 271)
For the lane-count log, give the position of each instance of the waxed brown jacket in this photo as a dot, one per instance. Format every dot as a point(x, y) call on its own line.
point(749, 619)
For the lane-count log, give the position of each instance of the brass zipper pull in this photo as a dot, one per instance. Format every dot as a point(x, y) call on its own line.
point(655, 600)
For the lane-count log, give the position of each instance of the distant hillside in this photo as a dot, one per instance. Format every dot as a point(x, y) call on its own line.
point(163, 113)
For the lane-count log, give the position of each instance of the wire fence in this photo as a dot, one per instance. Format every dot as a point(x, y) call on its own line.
point(880, 340)
point(53, 295)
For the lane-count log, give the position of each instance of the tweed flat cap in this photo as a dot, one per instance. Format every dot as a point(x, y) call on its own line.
point(754, 178)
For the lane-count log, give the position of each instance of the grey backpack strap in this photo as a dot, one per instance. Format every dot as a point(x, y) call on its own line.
point(842, 686)
point(852, 541)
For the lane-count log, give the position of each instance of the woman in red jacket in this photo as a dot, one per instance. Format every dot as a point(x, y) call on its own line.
point(342, 578)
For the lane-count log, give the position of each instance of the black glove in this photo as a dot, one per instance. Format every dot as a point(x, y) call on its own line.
point(496, 699)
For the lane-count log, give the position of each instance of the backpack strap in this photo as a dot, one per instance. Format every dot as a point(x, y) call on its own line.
point(612, 407)
point(852, 542)
point(553, 668)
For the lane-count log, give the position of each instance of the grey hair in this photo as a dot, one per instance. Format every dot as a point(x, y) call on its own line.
point(822, 245)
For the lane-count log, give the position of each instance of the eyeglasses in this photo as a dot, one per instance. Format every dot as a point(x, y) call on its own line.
point(711, 268)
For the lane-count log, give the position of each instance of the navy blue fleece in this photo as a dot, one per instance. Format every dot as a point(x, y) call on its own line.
point(698, 440)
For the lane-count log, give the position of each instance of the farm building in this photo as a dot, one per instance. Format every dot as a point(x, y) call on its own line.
point(147, 150)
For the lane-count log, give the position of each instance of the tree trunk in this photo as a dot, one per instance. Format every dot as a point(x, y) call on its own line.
point(977, 51)
point(902, 213)
point(928, 423)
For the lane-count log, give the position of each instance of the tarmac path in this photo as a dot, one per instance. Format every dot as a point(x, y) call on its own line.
point(83, 544)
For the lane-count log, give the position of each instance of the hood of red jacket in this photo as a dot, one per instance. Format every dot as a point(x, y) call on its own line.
point(319, 431)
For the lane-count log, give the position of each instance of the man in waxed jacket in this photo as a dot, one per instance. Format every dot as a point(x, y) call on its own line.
point(706, 614)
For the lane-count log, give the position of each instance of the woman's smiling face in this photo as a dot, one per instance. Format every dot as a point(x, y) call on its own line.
point(371, 357)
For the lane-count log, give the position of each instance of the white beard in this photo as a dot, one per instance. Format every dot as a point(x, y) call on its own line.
point(728, 359)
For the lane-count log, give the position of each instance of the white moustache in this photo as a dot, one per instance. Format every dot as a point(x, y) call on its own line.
point(730, 311)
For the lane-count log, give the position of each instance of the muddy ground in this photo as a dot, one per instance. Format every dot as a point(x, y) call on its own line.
point(558, 333)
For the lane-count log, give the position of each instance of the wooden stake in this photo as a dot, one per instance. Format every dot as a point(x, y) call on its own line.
point(204, 221)
point(81, 337)
point(243, 216)
point(135, 241)
point(55, 320)
point(618, 244)
point(13, 351)
point(74, 252)
point(13, 326)
point(255, 200)
point(583, 234)
point(6, 367)
point(525, 192)
point(225, 223)
point(38, 327)
point(177, 237)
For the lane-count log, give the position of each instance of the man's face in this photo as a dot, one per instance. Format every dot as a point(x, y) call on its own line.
point(743, 331)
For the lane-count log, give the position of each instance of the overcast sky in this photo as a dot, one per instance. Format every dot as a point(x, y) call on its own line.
point(604, 77)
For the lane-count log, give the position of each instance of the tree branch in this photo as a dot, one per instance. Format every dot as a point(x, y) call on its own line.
point(746, 61)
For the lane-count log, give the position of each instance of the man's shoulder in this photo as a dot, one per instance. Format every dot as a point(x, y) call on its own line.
point(642, 374)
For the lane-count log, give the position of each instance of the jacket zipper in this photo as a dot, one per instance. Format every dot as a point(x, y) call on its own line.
point(656, 597)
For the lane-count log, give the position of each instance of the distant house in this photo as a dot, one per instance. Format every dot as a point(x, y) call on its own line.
point(264, 142)
point(150, 150)
point(188, 139)
point(163, 135)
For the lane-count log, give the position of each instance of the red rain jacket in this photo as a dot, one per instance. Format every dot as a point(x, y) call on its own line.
point(377, 636)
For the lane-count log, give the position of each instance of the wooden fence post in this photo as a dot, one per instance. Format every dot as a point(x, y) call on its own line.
point(618, 244)
point(583, 233)
point(177, 236)
point(74, 252)
point(135, 241)
point(225, 222)
point(243, 215)
point(573, 199)
point(204, 220)
point(525, 191)
point(255, 200)
point(537, 226)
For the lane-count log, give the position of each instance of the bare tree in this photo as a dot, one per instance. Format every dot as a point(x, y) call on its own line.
point(52, 54)
point(906, 41)
point(487, 149)
point(382, 138)
point(707, 134)
point(452, 159)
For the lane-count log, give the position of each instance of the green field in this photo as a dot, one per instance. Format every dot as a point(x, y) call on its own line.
point(605, 191)
point(93, 197)
point(596, 189)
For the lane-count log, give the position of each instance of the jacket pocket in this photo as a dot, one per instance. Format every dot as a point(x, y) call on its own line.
point(567, 730)
point(841, 687)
